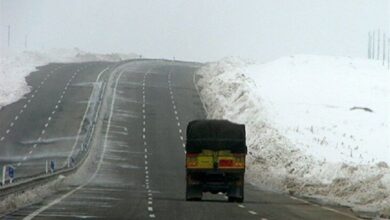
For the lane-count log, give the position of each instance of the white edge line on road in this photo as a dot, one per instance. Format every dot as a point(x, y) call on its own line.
point(200, 97)
point(37, 212)
point(326, 208)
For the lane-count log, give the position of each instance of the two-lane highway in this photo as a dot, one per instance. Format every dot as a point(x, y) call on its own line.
point(136, 167)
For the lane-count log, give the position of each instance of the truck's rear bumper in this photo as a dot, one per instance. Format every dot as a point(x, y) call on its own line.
point(215, 180)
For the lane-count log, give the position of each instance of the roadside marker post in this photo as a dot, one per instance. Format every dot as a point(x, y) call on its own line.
point(3, 175)
point(8, 170)
point(47, 167)
point(11, 173)
point(52, 166)
point(70, 162)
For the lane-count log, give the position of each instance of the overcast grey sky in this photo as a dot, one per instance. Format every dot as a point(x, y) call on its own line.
point(200, 30)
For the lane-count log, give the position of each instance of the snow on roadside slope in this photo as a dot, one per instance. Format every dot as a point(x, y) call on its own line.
point(303, 132)
point(15, 66)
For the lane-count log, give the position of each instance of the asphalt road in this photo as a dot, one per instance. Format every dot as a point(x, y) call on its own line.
point(136, 168)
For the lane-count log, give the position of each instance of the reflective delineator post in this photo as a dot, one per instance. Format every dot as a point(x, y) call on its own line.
point(52, 166)
point(11, 173)
point(47, 167)
point(3, 175)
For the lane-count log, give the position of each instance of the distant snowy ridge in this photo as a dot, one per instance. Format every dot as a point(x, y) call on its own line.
point(15, 66)
point(310, 130)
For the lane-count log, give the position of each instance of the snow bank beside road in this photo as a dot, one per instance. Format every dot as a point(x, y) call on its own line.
point(316, 126)
point(15, 66)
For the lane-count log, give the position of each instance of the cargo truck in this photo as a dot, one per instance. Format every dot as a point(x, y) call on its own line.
point(215, 159)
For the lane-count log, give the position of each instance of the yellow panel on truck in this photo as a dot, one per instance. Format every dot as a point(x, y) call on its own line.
point(209, 159)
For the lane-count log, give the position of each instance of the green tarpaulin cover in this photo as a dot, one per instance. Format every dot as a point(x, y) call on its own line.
point(215, 135)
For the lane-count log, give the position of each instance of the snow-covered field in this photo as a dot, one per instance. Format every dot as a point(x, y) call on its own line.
point(316, 126)
point(15, 66)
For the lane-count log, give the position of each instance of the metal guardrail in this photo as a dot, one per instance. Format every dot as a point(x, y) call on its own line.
point(21, 184)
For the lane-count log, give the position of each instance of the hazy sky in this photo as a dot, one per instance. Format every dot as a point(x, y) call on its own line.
point(197, 29)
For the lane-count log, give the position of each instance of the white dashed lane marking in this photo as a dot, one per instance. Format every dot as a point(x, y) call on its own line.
point(59, 101)
point(149, 194)
point(252, 212)
point(30, 99)
point(175, 111)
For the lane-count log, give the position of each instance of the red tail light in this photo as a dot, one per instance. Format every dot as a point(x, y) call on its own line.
point(226, 163)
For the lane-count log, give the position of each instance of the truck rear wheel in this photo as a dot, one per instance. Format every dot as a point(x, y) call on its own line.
point(193, 193)
point(236, 192)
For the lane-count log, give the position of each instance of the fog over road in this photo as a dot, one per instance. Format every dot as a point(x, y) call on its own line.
point(136, 169)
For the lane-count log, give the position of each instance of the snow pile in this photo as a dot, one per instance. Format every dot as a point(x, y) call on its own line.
point(316, 126)
point(14, 201)
point(15, 66)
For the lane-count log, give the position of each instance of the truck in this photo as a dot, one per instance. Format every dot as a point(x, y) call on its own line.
point(215, 159)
